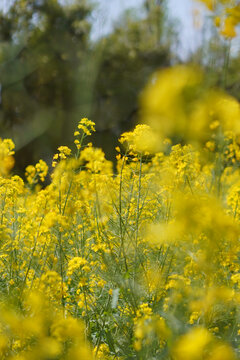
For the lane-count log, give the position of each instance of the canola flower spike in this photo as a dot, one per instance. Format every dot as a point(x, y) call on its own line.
point(142, 140)
point(39, 171)
point(6, 156)
point(63, 153)
point(85, 128)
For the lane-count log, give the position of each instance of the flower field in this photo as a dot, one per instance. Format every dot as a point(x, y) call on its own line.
point(140, 262)
point(134, 260)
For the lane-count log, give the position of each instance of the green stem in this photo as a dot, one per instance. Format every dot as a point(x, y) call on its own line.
point(226, 64)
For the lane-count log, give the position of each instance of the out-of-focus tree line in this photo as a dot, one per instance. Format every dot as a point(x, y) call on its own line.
point(52, 73)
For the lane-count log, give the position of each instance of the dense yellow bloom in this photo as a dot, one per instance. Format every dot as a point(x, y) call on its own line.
point(229, 28)
point(192, 345)
point(222, 352)
point(94, 160)
point(199, 344)
point(174, 105)
point(142, 140)
point(39, 171)
point(40, 332)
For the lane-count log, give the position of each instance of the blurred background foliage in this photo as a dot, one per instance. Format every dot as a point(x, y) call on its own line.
point(52, 73)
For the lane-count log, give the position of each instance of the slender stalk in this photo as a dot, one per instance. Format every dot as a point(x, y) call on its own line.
point(226, 64)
